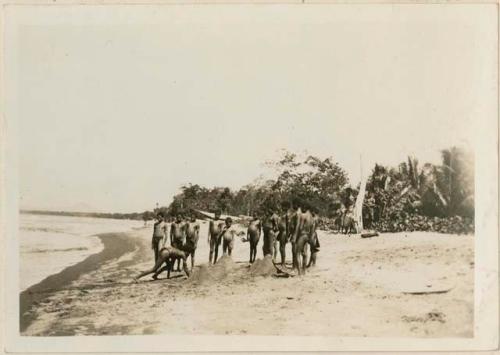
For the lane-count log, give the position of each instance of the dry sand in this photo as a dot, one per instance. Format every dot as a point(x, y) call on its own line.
point(360, 287)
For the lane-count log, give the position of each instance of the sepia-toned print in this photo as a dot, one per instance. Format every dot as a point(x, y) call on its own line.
point(275, 171)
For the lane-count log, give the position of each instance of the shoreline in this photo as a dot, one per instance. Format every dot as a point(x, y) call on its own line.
point(114, 246)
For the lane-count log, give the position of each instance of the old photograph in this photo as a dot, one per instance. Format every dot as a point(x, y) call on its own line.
point(242, 170)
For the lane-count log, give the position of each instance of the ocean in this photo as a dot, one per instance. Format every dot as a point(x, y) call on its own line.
point(48, 244)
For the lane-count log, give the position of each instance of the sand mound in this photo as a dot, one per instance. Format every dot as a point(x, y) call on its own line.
point(201, 274)
point(263, 267)
point(209, 273)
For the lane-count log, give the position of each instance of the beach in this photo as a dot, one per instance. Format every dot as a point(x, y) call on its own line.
point(404, 284)
point(50, 243)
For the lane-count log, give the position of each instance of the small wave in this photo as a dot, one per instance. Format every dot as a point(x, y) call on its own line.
point(42, 229)
point(56, 250)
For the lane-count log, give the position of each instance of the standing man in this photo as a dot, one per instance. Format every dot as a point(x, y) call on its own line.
point(192, 235)
point(305, 233)
point(159, 235)
point(214, 232)
point(314, 240)
point(283, 231)
point(227, 235)
point(270, 228)
point(253, 236)
point(177, 236)
point(292, 223)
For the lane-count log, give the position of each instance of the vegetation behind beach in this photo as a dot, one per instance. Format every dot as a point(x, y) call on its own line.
point(407, 197)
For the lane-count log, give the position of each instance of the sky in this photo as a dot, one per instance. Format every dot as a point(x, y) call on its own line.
point(116, 110)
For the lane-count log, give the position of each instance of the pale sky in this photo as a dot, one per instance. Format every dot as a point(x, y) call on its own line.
point(117, 109)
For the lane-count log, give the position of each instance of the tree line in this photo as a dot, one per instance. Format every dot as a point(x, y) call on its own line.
point(409, 196)
point(407, 192)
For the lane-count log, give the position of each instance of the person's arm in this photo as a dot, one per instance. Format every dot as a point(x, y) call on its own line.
point(164, 241)
point(153, 237)
point(298, 227)
point(223, 230)
point(197, 229)
point(313, 227)
point(171, 232)
point(276, 224)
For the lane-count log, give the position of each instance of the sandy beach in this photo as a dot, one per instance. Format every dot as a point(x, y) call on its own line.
point(393, 285)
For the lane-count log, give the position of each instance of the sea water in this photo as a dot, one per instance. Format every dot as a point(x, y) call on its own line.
point(48, 244)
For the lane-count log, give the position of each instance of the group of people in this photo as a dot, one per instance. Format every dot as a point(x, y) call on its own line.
point(296, 226)
point(184, 236)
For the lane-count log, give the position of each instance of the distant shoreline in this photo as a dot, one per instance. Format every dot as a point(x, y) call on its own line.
point(115, 245)
point(132, 216)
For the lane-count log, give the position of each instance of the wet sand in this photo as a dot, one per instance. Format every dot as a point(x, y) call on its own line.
point(115, 245)
point(360, 287)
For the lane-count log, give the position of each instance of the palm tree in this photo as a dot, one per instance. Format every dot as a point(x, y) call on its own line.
point(455, 181)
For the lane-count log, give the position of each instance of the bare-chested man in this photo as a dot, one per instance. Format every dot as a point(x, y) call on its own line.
point(314, 242)
point(270, 229)
point(292, 223)
point(285, 232)
point(304, 234)
point(167, 255)
point(192, 235)
point(253, 236)
point(177, 236)
point(159, 235)
point(214, 232)
point(227, 235)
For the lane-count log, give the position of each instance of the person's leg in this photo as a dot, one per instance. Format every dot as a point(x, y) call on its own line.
point(212, 249)
point(224, 247)
point(230, 247)
point(267, 244)
point(156, 250)
point(314, 246)
point(312, 258)
point(170, 266)
point(294, 256)
point(179, 246)
point(304, 257)
point(217, 244)
point(282, 240)
point(158, 272)
point(192, 258)
point(275, 247)
point(251, 251)
point(157, 265)
point(301, 254)
point(185, 268)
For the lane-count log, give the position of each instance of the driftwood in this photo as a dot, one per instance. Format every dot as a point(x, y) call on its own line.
point(369, 234)
point(283, 270)
point(423, 291)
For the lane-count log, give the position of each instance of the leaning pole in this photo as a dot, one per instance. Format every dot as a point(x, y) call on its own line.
point(358, 207)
